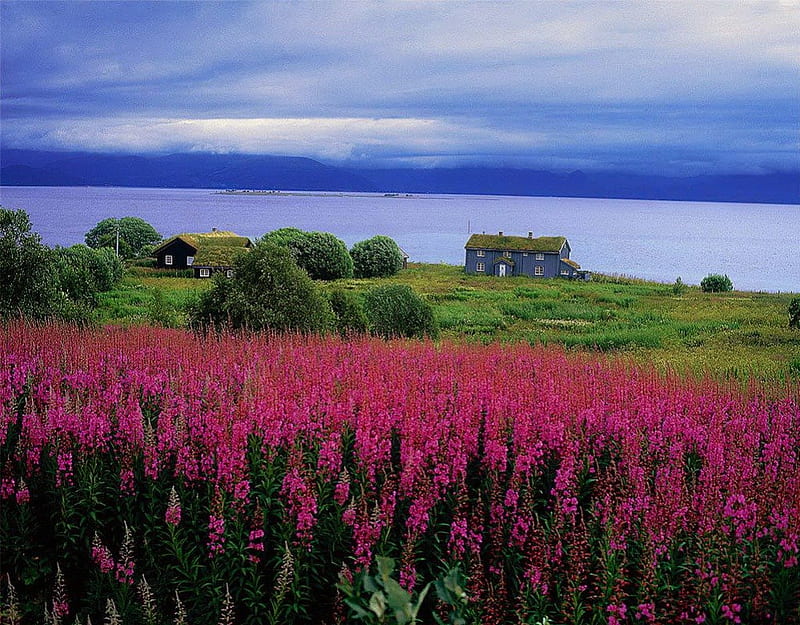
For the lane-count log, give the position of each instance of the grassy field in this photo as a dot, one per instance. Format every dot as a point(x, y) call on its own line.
point(739, 333)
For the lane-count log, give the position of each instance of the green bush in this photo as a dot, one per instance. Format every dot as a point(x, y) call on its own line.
point(29, 285)
point(794, 313)
point(349, 312)
point(321, 254)
point(679, 288)
point(136, 236)
point(378, 257)
point(84, 272)
point(268, 292)
point(716, 283)
point(397, 310)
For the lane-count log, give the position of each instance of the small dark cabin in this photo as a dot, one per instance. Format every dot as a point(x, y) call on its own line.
point(205, 253)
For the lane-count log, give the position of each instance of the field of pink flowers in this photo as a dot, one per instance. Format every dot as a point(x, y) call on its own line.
point(154, 476)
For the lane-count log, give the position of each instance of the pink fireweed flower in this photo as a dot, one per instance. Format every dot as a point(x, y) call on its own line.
point(60, 604)
point(101, 555)
point(216, 536)
point(341, 491)
point(23, 495)
point(173, 513)
point(7, 487)
point(64, 473)
point(255, 544)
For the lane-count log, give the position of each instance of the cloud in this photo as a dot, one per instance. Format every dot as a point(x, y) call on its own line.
point(712, 82)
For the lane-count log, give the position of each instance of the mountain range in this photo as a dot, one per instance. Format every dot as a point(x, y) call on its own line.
point(244, 171)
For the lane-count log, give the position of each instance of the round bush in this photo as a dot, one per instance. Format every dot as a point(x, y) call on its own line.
point(136, 236)
point(716, 283)
point(396, 310)
point(378, 257)
point(267, 292)
point(349, 312)
point(323, 256)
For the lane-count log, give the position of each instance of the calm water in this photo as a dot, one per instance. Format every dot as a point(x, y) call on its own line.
point(755, 244)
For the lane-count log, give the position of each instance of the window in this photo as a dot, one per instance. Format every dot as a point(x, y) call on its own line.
point(480, 267)
point(204, 273)
point(189, 261)
point(564, 272)
point(540, 256)
point(507, 254)
point(168, 259)
point(229, 273)
point(481, 253)
point(538, 270)
point(525, 254)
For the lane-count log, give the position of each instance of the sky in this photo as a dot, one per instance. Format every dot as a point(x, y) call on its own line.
point(660, 86)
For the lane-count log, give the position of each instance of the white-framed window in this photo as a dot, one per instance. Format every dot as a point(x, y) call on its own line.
point(538, 270)
point(525, 254)
point(481, 253)
point(565, 272)
point(205, 273)
point(229, 273)
point(189, 261)
point(480, 267)
point(168, 259)
point(507, 254)
point(540, 256)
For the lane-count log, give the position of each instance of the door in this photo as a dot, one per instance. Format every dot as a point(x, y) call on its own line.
point(501, 268)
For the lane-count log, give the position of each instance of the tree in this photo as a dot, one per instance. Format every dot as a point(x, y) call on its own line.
point(794, 313)
point(28, 285)
point(378, 257)
point(136, 236)
point(267, 292)
point(321, 254)
point(716, 283)
point(349, 312)
point(397, 310)
point(84, 272)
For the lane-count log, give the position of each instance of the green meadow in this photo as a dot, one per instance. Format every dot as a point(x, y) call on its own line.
point(736, 334)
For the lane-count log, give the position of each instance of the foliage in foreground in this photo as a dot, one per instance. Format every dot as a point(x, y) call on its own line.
point(397, 310)
point(37, 282)
point(152, 473)
point(268, 291)
point(794, 313)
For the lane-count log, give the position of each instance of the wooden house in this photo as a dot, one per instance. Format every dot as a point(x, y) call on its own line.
point(540, 257)
point(206, 253)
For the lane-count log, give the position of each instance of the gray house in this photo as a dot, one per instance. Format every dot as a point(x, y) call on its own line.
point(540, 257)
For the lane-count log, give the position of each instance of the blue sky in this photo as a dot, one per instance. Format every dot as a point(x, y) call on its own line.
point(658, 86)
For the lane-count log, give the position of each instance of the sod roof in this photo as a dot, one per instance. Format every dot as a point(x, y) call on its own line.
point(516, 244)
point(203, 239)
point(571, 263)
point(217, 255)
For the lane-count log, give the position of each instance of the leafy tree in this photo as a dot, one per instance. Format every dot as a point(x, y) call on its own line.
point(28, 285)
point(716, 283)
point(378, 257)
point(321, 254)
point(136, 236)
point(397, 310)
point(794, 313)
point(349, 312)
point(84, 272)
point(267, 292)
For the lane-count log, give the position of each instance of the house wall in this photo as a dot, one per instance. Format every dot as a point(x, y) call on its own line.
point(179, 250)
point(524, 263)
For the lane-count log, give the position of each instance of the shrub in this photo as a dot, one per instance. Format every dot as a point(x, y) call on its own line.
point(321, 254)
point(268, 291)
point(397, 310)
point(378, 257)
point(28, 285)
point(716, 283)
point(84, 272)
point(136, 236)
point(349, 312)
point(679, 288)
point(794, 313)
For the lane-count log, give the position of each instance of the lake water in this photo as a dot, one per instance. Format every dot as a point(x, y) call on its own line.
point(757, 245)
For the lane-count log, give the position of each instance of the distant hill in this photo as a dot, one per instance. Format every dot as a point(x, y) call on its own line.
point(243, 171)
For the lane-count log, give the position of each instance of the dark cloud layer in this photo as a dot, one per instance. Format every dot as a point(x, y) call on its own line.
point(680, 87)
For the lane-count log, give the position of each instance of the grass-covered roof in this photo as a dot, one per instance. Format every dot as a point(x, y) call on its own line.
point(214, 249)
point(516, 244)
point(571, 263)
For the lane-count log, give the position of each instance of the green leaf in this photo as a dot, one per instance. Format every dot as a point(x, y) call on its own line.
point(377, 603)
